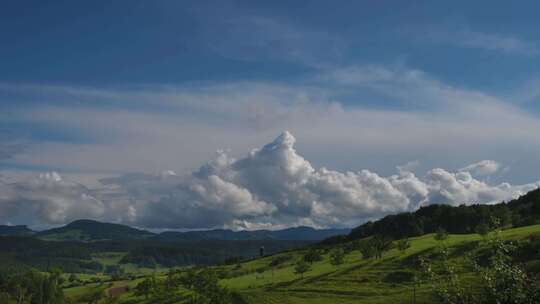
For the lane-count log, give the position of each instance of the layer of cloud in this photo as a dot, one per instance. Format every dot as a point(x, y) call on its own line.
point(482, 168)
point(469, 38)
point(177, 127)
point(148, 127)
point(272, 186)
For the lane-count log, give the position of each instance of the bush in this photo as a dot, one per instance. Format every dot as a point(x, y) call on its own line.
point(403, 244)
point(280, 260)
point(301, 267)
point(337, 256)
point(313, 255)
point(441, 234)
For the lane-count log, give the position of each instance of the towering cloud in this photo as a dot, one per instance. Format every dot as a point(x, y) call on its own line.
point(270, 187)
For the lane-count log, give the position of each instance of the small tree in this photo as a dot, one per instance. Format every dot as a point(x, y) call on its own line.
point(206, 288)
point(145, 287)
point(483, 229)
point(72, 278)
point(505, 281)
point(260, 272)
point(403, 244)
point(94, 296)
point(301, 267)
point(337, 256)
point(313, 255)
point(375, 247)
point(441, 234)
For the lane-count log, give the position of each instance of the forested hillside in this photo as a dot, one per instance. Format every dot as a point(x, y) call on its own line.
point(462, 219)
point(88, 230)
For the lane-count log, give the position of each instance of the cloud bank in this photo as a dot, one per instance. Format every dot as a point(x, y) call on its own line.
point(272, 186)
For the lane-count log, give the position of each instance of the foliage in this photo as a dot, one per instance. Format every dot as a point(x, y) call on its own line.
point(403, 244)
point(93, 296)
point(505, 281)
point(280, 259)
point(301, 267)
point(145, 287)
point(313, 255)
point(464, 219)
point(501, 279)
point(233, 260)
point(445, 280)
point(32, 287)
point(205, 286)
point(73, 278)
point(115, 271)
point(483, 229)
point(441, 235)
point(337, 256)
point(374, 247)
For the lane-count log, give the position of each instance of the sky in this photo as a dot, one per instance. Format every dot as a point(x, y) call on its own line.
point(263, 114)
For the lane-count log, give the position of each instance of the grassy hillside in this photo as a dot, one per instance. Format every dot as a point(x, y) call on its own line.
point(389, 279)
point(463, 219)
point(386, 280)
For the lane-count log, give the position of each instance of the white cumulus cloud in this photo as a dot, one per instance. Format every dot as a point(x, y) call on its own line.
point(482, 168)
point(270, 187)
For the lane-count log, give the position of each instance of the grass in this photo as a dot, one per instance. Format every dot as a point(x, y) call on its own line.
point(387, 280)
point(357, 280)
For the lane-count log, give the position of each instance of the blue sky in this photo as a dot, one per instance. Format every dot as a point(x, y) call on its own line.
point(96, 90)
point(174, 42)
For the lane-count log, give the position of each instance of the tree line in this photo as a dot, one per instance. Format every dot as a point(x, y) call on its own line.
point(463, 219)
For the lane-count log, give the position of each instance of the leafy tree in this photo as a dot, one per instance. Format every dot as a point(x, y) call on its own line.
point(301, 267)
point(115, 271)
point(145, 287)
point(280, 259)
point(446, 282)
point(367, 251)
point(502, 281)
point(73, 278)
point(483, 229)
point(403, 244)
point(375, 246)
point(441, 235)
point(337, 256)
point(33, 287)
point(313, 255)
point(505, 281)
point(206, 288)
point(93, 296)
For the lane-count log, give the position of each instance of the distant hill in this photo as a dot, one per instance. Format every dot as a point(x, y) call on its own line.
point(290, 234)
point(20, 230)
point(89, 230)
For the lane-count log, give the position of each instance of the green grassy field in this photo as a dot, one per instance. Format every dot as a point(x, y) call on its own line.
point(385, 280)
point(355, 281)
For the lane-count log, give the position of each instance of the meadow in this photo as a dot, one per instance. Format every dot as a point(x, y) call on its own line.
point(394, 278)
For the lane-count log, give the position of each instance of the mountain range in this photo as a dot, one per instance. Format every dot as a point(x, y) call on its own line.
point(20, 230)
point(90, 230)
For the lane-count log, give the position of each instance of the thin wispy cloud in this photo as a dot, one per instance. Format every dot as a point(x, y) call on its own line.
point(498, 42)
point(152, 136)
point(266, 38)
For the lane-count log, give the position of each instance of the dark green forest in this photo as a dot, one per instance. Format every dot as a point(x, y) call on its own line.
point(462, 219)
